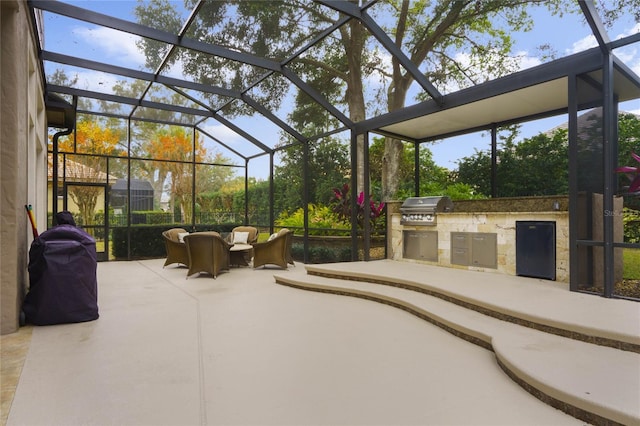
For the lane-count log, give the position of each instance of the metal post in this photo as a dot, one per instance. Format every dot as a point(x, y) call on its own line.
point(271, 194)
point(572, 135)
point(354, 195)
point(193, 178)
point(416, 169)
point(305, 199)
point(609, 160)
point(246, 192)
point(366, 228)
point(494, 161)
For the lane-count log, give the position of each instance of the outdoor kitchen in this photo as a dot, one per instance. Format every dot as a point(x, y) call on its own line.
point(517, 236)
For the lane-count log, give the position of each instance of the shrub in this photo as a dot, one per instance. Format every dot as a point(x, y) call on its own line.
point(321, 218)
point(341, 205)
point(146, 240)
point(321, 254)
point(631, 220)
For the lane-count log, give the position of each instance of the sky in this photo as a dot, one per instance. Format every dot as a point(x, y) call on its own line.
point(567, 35)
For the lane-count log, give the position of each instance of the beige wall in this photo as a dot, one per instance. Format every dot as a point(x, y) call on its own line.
point(22, 155)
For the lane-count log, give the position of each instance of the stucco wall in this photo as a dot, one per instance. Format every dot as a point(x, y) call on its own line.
point(22, 154)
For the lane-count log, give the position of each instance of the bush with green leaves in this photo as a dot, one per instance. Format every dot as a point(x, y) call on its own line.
point(319, 254)
point(321, 219)
point(631, 220)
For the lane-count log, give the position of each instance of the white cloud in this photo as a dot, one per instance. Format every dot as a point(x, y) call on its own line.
point(525, 61)
point(118, 48)
point(224, 134)
point(629, 54)
point(176, 71)
point(583, 44)
point(631, 58)
point(631, 31)
point(112, 46)
point(521, 60)
point(626, 55)
point(590, 41)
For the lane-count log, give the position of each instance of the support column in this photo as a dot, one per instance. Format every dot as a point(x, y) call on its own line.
point(13, 160)
point(23, 155)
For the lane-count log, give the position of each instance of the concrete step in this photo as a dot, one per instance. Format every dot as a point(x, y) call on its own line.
point(597, 384)
point(536, 303)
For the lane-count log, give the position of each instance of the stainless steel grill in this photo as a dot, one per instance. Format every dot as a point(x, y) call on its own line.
point(423, 210)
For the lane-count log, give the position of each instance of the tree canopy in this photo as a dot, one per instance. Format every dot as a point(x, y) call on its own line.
point(540, 165)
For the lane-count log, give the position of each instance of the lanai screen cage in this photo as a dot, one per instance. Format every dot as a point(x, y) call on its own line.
point(204, 99)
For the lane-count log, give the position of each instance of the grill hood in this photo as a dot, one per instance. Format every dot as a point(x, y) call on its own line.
point(423, 210)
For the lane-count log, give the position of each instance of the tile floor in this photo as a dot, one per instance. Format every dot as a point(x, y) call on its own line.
point(13, 351)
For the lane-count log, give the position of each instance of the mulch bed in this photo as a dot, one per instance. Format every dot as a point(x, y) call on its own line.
point(625, 288)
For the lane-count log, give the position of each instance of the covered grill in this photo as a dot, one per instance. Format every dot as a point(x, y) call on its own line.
point(423, 210)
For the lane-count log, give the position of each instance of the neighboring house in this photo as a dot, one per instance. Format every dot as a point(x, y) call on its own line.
point(585, 121)
point(141, 195)
point(75, 173)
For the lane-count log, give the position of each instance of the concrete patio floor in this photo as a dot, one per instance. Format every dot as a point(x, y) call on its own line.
point(243, 350)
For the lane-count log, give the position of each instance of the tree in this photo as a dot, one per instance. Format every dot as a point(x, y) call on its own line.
point(146, 135)
point(328, 167)
point(433, 179)
point(176, 151)
point(540, 165)
point(91, 141)
point(475, 171)
point(431, 34)
point(175, 144)
point(521, 168)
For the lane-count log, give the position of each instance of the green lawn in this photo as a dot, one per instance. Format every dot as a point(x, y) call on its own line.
point(631, 263)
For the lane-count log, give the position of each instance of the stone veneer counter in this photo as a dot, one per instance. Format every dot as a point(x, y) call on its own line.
point(499, 217)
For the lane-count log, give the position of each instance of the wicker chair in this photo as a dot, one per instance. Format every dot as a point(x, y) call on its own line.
point(208, 252)
point(176, 250)
point(276, 251)
point(252, 237)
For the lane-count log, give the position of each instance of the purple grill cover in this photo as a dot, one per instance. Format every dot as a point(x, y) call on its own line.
point(62, 277)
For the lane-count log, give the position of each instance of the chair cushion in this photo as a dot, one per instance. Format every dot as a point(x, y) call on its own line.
point(181, 236)
point(272, 236)
point(240, 237)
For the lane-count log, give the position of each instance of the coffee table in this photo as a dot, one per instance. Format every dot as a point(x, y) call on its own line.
point(238, 254)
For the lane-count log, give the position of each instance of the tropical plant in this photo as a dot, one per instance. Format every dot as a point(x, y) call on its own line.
point(341, 205)
point(633, 173)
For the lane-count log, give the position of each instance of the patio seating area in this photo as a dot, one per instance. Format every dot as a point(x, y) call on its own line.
point(210, 253)
point(252, 347)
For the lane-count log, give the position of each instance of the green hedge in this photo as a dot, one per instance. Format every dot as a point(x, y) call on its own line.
point(146, 240)
point(320, 254)
point(631, 220)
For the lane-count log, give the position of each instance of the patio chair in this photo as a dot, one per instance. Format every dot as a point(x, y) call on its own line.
point(275, 251)
point(176, 249)
point(237, 235)
point(208, 252)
